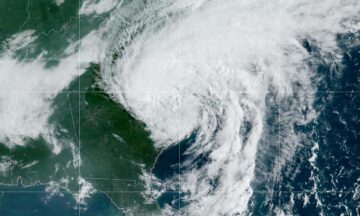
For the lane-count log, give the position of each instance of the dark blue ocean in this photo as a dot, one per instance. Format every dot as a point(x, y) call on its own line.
point(330, 183)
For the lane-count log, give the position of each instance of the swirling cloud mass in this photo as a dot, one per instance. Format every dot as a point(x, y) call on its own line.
point(215, 68)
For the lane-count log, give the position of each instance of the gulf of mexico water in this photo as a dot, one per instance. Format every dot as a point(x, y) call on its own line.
point(34, 201)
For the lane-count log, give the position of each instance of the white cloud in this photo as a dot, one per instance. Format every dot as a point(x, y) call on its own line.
point(98, 6)
point(86, 189)
point(59, 2)
point(28, 87)
point(212, 70)
point(20, 40)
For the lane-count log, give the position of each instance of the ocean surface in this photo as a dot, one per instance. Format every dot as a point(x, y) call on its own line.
point(33, 200)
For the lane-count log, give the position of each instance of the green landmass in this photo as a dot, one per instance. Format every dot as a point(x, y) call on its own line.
point(114, 147)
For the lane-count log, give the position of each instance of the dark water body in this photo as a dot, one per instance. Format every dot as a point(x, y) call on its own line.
point(337, 132)
point(331, 184)
point(169, 165)
point(31, 201)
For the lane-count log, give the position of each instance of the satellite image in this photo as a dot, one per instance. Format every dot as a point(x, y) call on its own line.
point(179, 107)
